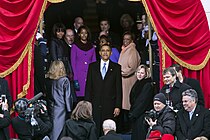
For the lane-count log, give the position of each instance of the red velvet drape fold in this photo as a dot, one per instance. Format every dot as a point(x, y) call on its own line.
point(184, 36)
point(19, 21)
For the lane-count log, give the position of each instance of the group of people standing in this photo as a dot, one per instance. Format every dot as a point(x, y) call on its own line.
point(100, 81)
point(118, 85)
point(92, 88)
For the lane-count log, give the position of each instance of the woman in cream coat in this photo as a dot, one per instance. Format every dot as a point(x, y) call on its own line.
point(129, 61)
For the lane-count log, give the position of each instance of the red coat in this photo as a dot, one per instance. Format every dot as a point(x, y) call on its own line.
point(156, 135)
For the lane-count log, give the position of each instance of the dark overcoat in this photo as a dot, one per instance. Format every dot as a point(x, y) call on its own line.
point(199, 125)
point(4, 123)
point(105, 95)
point(141, 99)
point(175, 94)
point(111, 135)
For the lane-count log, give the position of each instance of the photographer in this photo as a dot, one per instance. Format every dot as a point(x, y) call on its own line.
point(32, 123)
point(162, 118)
point(4, 120)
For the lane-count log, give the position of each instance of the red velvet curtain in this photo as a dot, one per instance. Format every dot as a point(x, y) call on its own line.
point(183, 32)
point(19, 21)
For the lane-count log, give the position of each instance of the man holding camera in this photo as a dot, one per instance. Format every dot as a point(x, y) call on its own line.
point(162, 118)
point(32, 123)
point(4, 120)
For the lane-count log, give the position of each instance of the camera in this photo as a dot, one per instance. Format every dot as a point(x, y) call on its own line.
point(34, 110)
point(151, 114)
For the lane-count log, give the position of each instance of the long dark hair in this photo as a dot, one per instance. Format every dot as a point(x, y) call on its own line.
point(58, 27)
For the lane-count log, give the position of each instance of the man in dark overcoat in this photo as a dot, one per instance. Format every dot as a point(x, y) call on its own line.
point(173, 88)
point(193, 121)
point(104, 92)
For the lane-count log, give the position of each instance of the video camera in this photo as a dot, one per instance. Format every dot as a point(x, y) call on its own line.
point(34, 110)
point(151, 114)
point(31, 108)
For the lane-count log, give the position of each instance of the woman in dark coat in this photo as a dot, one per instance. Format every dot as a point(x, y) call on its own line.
point(141, 97)
point(81, 125)
point(58, 49)
point(61, 96)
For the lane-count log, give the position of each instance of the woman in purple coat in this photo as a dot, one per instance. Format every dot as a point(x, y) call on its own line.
point(82, 54)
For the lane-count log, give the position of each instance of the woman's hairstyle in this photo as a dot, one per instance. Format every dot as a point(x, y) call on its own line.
point(108, 39)
point(128, 18)
point(83, 110)
point(56, 70)
point(147, 70)
point(88, 32)
point(58, 27)
point(129, 33)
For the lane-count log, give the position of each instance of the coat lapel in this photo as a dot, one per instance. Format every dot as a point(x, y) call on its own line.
point(97, 70)
point(186, 118)
point(195, 115)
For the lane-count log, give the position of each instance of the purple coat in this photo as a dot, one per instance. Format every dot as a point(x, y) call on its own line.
point(80, 60)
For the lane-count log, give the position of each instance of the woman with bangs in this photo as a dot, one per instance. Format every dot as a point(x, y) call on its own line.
point(61, 101)
point(81, 125)
point(58, 49)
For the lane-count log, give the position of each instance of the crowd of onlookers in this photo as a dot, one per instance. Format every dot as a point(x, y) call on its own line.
point(96, 86)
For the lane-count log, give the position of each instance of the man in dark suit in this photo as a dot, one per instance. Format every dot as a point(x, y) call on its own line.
point(173, 88)
point(191, 82)
point(104, 90)
point(109, 128)
point(193, 121)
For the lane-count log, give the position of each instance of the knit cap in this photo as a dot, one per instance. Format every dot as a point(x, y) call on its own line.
point(160, 97)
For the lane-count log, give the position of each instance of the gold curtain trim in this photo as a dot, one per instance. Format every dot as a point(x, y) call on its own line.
point(165, 47)
point(55, 1)
point(14, 67)
point(163, 59)
point(26, 86)
point(29, 46)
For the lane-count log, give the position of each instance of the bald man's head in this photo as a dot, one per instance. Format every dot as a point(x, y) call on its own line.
point(78, 21)
point(69, 36)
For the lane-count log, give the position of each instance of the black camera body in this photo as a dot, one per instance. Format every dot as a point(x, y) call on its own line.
point(34, 110)
point(151, 114)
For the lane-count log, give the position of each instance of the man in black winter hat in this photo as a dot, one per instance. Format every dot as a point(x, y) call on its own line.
point(164, 120)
